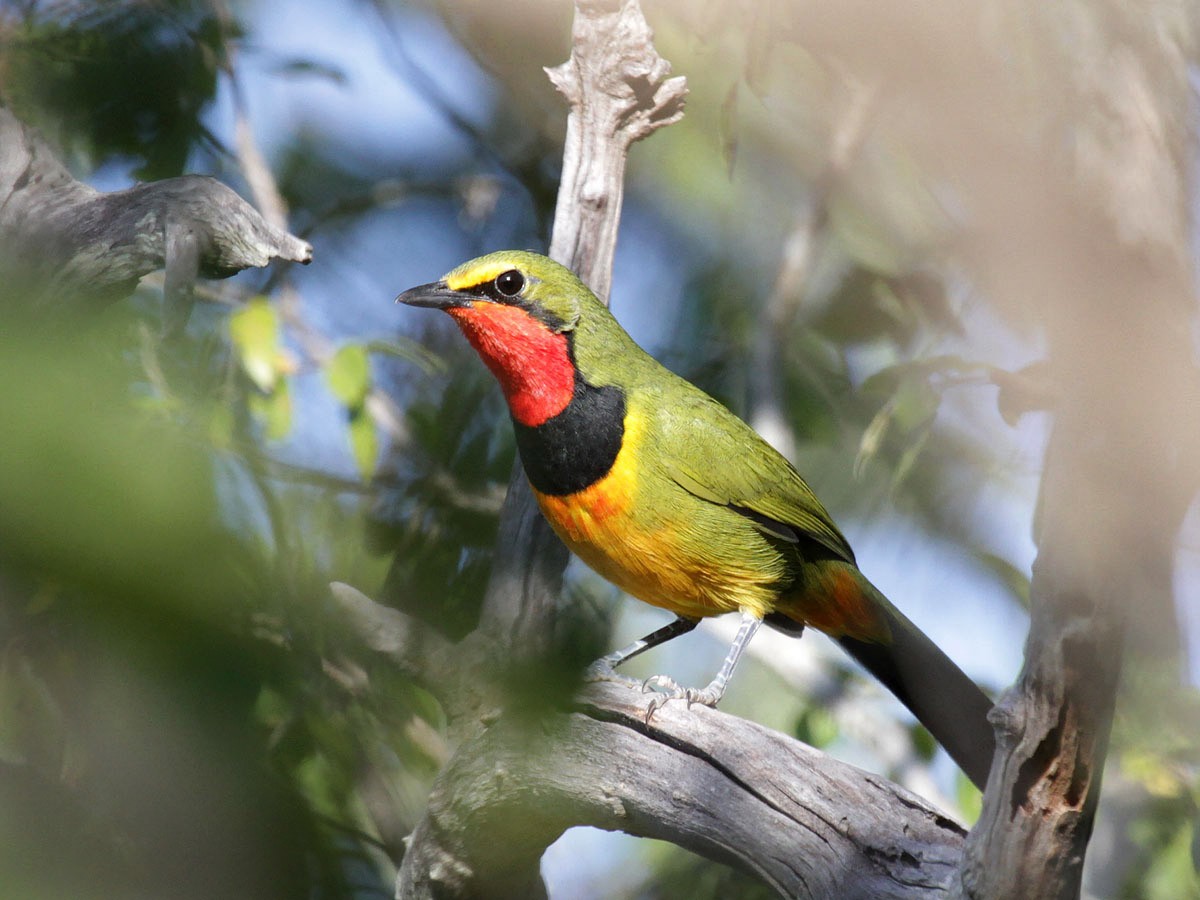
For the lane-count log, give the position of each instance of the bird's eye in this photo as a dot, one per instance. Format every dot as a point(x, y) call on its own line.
point(510, 283)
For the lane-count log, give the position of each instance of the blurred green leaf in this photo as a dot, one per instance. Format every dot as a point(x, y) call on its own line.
point(1196, 841)
point(91, 491)
point(969, 798)
point(923, 742)
point(871, 441)
point(905, 420)
point(1161, 776)
point(868, 241)
point(348, 373)
point(817, 727)
point(222, 425)
point(927, 296)
point(254, 330)
point(727, 128)
point(916, 440)
point(121, 78)
point(1172, 874)
point(680, 875)
point(274, 410)
point(364, 441)
point(949, 368)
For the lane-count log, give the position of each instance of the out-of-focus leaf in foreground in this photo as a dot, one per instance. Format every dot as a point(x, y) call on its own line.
point(92, 492)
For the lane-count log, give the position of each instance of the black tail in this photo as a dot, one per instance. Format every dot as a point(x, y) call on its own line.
point(937, 692)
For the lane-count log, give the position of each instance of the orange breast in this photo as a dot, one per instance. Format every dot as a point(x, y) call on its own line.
point(585, 519)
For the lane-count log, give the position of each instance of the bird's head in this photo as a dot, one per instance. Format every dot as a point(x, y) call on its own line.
point(520, 311)
point(518, 279)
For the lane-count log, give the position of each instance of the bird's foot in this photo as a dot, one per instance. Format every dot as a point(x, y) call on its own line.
point(667, 688)
point(602, 670)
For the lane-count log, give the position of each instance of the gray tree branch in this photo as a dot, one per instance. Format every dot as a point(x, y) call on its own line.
point(723, 787)
point(64, 244)
point(720, 786)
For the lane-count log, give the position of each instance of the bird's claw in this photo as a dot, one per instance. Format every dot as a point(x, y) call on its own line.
point(655, 704)
point(668, 688)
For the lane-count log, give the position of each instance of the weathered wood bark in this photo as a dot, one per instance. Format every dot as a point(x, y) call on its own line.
point(64, 244)
point(726, 788)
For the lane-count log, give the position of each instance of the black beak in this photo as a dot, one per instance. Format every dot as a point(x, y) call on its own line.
point(434, 295)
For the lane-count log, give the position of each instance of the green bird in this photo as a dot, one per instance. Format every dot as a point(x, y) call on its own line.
point(677, 501)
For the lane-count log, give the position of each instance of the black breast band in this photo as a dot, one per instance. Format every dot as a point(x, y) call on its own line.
point(576, 448)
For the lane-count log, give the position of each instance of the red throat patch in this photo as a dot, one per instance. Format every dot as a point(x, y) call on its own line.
point(531, 362)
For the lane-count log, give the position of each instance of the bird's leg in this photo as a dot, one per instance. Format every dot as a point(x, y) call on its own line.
point(604, 668)
point(710, 695)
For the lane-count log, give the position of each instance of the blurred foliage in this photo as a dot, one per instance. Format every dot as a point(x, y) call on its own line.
point(256, 336)
point(1159, 772)
point(441, 512)
point(176, 692)
point(168, 701)
point(124, 78)
point(348, 373)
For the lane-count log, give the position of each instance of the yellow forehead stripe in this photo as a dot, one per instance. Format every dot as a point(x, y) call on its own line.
point(473, 275)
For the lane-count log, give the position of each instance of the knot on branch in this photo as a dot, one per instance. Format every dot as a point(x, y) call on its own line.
point(1008, 717)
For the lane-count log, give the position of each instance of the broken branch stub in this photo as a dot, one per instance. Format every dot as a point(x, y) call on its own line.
point(617, 88)
point(64, 244)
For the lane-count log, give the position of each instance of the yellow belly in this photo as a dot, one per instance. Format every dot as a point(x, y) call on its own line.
point(662, 545)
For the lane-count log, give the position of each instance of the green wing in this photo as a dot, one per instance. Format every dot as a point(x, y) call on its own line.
point(715, 456)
